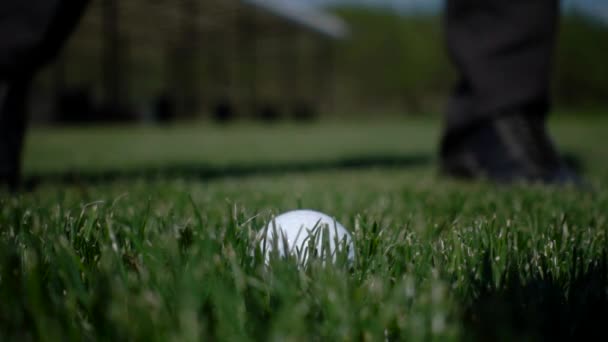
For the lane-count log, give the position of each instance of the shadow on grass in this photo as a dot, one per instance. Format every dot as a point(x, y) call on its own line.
point(545, 307)
point(200, 171)
point(210, 172)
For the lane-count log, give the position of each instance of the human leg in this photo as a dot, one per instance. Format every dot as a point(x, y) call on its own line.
point(495, 121)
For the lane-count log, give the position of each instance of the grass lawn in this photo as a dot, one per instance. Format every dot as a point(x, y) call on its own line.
point(144, 233)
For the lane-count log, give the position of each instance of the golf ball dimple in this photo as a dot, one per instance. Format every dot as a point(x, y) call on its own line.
point(295, 229)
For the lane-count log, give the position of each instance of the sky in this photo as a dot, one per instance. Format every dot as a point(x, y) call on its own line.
point(596, 8)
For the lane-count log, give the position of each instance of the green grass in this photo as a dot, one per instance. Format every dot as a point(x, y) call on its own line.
point(172, 256)
point(90, 149)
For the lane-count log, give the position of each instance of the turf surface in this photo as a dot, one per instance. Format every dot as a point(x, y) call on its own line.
point(149, 233)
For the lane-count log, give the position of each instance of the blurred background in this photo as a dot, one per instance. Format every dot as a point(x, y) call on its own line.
point(268, 60)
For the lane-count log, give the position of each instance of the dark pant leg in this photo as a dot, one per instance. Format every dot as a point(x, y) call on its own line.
point(32, 32)
point(13, 117)
point(503, 51)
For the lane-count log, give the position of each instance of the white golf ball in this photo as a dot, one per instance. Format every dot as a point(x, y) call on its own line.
point(293, 231)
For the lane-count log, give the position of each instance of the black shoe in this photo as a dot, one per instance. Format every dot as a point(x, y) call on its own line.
point(8, 183)
point(509, 148)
